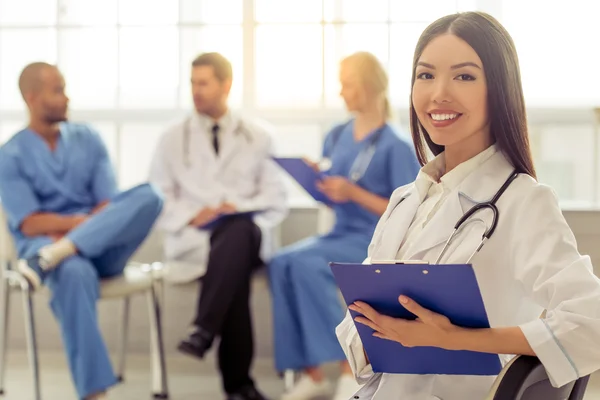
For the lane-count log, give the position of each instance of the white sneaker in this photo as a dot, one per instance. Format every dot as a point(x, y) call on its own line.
point(346, 388)
point(307, 389)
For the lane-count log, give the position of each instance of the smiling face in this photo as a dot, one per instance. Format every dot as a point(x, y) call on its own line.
point(450, 94)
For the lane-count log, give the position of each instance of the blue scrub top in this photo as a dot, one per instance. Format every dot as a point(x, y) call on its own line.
point(394, 164)
point(72, 179)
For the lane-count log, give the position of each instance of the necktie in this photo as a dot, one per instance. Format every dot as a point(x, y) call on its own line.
point(215, 133)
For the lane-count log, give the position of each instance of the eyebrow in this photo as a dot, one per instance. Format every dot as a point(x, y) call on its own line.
point(457, 66)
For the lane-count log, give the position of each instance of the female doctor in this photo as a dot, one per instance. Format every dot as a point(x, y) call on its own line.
point(368, 162)
point(467, 106)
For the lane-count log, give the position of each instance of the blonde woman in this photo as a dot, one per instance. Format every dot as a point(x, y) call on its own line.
point(364, 162)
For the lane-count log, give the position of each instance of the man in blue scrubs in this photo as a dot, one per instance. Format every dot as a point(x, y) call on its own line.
point(70, 225)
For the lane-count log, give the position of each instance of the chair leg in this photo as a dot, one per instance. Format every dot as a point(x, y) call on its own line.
point(159, 369)
point(123, 339)
point(31, 340)
point(4, 318)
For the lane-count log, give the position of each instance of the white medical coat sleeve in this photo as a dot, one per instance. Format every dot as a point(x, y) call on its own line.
point(353, 348)
point(177, 212)
point(546, 262)
point(270, 196)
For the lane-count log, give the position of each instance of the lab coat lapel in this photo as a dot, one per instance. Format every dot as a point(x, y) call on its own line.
point(439, 229)
point(231, 143)
point(480, 186)
point(397, 225)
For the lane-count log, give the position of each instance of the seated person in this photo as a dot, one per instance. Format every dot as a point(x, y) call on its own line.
point(217, 162)
point(368, 162)
point(70, 225)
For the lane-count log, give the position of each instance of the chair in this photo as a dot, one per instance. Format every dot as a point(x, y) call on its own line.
point(136, 279)
point(525, 378)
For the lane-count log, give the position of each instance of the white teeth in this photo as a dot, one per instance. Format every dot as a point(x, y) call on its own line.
point(443, 117)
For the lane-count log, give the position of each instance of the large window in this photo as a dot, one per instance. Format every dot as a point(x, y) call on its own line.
point(127, 65)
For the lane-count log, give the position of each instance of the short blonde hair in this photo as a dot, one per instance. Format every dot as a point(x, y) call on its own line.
point(372, 74)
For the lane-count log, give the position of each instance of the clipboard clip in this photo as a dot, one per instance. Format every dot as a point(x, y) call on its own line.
point(400, 262)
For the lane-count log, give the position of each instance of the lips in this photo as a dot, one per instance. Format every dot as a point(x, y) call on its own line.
point(443, 118)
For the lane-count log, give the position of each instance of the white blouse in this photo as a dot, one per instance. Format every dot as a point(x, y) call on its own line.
point(438, 185)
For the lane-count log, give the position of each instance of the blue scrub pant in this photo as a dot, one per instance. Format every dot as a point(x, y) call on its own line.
point(105, 243)
point(306, 304)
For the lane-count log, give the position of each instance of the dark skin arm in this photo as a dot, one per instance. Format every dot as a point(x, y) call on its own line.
point(50, 224)
point(55, 225)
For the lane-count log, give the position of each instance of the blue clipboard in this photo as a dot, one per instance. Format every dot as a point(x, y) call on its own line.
point(304, 175)
point(450, 290)
point(212, 224)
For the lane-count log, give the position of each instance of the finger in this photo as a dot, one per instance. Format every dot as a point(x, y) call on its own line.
point(382, 336)
point(369, 323)
point(422, 313)
point(367, 310)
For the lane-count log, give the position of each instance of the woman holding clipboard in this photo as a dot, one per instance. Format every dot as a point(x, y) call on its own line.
point(468, 108)
point(366, 161)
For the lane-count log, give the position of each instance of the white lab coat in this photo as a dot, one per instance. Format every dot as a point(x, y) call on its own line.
point(531, 263)
point(244, 174)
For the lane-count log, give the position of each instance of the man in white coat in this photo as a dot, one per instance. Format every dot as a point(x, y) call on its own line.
point(223, 196)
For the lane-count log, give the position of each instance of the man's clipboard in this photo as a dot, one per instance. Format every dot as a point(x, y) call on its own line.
point(212, 224)
point(306, 177)
point(450, 290)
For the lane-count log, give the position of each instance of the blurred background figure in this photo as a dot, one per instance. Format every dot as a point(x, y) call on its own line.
point(69, 222)
point(224, 195)
point(364, 161)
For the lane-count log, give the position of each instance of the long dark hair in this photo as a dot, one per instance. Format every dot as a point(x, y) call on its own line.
point(505, 102)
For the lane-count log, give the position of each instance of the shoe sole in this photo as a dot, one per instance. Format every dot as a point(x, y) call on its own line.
point(32, 277)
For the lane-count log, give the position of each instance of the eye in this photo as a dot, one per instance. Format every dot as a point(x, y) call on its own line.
point(424, 75)
point(465, 77)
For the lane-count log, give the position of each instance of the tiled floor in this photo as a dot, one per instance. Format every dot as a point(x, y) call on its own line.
point(188, 379)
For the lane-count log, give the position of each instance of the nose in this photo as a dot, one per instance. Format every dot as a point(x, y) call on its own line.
point(441, 92)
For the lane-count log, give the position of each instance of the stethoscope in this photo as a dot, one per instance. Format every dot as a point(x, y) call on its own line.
point(362, 161)
point(240, 129)
point(466, 219)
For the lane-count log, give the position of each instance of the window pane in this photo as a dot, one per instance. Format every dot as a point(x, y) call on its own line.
point(148, 12)
point(89, 61)
point(342, 40)
point(17, 49)
point(149, 68)
point(88, 12)
point(404, 38)
point(357, 10)
point(416, 11)
point(289, 10)
point(545, 64)
point(227, 40)
point(27, 12)
point(8, 129)
point(289, 66)
point(212, 11)
point(298, 141)
point(564, 159)
point(137, 143)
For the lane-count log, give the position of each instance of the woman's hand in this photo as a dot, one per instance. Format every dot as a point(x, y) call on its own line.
point(338, 189)
point(429, 329)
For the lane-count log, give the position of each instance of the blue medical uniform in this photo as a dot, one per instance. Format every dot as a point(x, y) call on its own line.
point(306, 305)
point(72, 179)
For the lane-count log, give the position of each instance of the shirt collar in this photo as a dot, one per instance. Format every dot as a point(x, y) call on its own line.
point(434, 171)
point(206, 123)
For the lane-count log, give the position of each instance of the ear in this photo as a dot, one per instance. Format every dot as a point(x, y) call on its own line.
point(29, 97)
